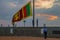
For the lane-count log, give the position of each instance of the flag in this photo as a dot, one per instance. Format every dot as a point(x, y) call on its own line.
point(23, 13)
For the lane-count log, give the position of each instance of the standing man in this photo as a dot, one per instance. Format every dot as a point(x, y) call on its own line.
point(45, 31)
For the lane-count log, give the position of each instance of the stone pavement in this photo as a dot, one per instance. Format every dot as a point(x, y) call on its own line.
point(25, 38)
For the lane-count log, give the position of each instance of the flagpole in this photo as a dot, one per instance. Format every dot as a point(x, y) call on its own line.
point(33, 15)
point(1, 25)
point(37, 22)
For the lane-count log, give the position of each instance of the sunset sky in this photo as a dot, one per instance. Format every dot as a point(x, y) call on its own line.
point(46, 11)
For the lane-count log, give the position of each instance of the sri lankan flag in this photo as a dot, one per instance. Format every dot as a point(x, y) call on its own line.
point(23, 13)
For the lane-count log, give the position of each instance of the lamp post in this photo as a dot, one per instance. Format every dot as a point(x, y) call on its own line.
point(24, 23)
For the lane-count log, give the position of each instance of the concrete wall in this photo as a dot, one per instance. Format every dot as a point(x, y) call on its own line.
point(28, 31)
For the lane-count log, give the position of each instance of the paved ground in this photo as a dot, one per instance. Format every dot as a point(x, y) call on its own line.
point(25, 38)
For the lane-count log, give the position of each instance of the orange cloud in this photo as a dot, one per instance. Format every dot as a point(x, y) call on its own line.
point(44, 3)
point(49, 17)
point(52, 17)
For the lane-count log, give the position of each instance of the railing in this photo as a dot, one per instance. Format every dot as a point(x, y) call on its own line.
point(27, 31)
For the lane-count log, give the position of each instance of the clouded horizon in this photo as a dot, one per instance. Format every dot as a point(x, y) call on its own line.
point(46, 11)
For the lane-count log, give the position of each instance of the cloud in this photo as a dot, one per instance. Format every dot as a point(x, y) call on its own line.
point(57, 3)
point(12, 4)
point(49, 17)
point(44, 3)
point(53, 17)
point(5, 23)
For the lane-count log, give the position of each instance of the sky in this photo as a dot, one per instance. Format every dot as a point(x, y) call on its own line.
point(46, 11)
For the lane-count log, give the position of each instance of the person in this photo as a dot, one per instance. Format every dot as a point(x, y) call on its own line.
point(45, 31)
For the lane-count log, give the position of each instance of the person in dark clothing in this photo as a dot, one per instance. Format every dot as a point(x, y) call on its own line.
point(45, 31)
